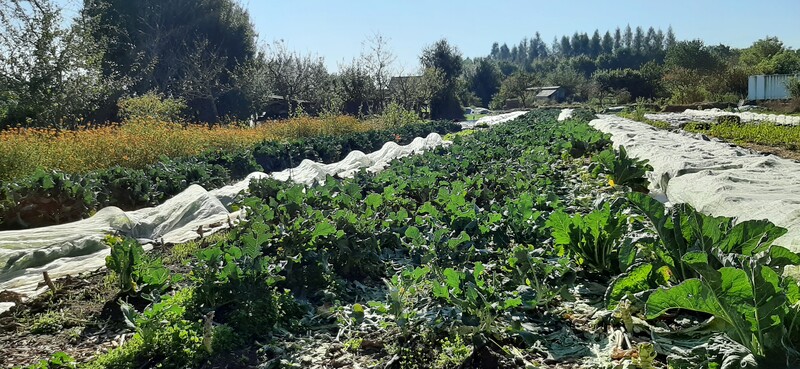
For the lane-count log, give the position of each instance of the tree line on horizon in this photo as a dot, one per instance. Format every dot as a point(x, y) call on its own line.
point(625, 65)
point(206, 55)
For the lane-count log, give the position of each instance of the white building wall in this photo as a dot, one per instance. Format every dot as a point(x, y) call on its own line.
point(768, 87)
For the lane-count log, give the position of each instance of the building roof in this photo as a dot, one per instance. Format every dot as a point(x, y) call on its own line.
point(395, 81)
point(543, 88)
point(279, 97)
point(544, 91)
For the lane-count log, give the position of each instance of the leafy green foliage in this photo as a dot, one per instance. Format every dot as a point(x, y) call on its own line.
point(476, 293)
point(624, 170)
point(584, 114)
point(748, 295)
point(454, 352)
point(136, 272)
point(583, 140)
point(539, 281)
point(462, 243)
point(728, 119)
point(395, 116)
point(515, 87)
point(48, 323)
point(637, 83)
point(682, 230)
point(165, 330)
point(198, 58)
point(636, 279)
point(692, 55)
point(170, 177)
point(125, 188)
point(48, 198)
point(51, 71)
point(764, 133)
point(152, 106)
point(239, 283)
point(793, 85)
point(275, 156)
point(447, 60)
point(594, 240)
point(58, 360)
point(709, 265)
point(485, 82)
point(313, 240)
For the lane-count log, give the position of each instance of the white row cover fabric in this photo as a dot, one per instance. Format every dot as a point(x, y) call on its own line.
point(494, 119)
point(78, 247)
point(715, 177)
point(691, 115)
point(565, 114)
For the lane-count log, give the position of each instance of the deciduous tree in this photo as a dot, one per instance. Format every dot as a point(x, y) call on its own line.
point(294, 76)
point(152, 43)
point(379, 61)
point(49, 73)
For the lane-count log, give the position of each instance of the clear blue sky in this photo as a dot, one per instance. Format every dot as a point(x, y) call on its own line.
point(336, 29)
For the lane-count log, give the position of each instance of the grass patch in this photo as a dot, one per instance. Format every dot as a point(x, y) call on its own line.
point(464, 133)
point(475, 116)
point(184, 251)
point(48, 323)
point(640, 118)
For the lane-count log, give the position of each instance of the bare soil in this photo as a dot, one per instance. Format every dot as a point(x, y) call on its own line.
point(79, 319)
point(777, 151)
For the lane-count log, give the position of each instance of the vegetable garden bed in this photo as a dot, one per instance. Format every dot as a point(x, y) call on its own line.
point(526, 245)
point(54, 197)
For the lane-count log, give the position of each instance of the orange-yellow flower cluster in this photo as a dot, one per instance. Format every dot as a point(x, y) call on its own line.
point(139, 143)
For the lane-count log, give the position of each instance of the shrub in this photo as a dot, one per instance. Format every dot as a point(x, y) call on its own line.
point(638, 113)
point(151, 106)
point(396, 116)
point(623, 97)
point(793, 84)
point(498, 102)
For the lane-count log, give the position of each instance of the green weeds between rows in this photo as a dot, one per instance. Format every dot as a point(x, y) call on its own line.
point(472, 256)
point(731, 128)
point(764, 133)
